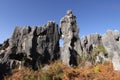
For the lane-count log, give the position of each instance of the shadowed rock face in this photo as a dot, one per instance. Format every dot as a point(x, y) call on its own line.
point(0, 46)
point(69, 33)
point(37, 45)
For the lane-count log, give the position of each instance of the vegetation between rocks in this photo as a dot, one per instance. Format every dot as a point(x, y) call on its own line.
point(59, 71)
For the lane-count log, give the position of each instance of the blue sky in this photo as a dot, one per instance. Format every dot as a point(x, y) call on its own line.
point(93, 16)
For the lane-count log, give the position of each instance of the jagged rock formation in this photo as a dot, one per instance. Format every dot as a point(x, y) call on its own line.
point(111, 42)
point(40, 45)
point(90, 42)
point(37, 45)
point(93, 49)
point(106, 47)
point(69, 33)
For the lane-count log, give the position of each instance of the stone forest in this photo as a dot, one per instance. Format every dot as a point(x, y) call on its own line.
point(37, 47)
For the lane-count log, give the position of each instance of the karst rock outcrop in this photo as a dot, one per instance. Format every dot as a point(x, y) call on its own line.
point(90, 42)
point(34, 46)
point(106, 47)
point(69, 33)
point(111, 42)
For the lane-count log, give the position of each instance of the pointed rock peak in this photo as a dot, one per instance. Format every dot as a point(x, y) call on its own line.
point(69, 12)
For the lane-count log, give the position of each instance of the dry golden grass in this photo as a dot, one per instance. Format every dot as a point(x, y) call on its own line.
point(59, 71)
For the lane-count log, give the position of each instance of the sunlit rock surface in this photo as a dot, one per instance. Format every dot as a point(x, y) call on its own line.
point(111, 42)
point(69, 33)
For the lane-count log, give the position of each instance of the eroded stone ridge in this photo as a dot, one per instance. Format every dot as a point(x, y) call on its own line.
point(37, 45)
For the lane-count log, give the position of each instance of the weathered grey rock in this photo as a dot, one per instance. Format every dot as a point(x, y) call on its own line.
point(84, 43)
point(4, 49)
point(93, 49)
point(7, 66)
point(100, 58)
point(111, 43)
point(4, 45)
point(94, 40)
point(69, 33)
point(90, 42)
point(38, 44)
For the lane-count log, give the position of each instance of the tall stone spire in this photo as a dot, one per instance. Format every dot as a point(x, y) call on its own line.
point(69, 33)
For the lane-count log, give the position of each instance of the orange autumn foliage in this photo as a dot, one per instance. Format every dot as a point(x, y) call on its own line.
point(59, 71)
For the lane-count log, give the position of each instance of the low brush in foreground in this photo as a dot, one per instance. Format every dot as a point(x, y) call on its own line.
point(58, 71)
